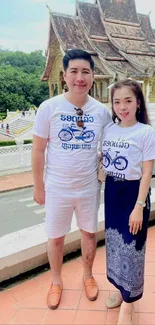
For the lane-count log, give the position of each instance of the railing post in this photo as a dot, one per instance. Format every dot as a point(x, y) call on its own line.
point(19, 143)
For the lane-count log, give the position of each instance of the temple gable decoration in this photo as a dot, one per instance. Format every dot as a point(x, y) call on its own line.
point(120, 40)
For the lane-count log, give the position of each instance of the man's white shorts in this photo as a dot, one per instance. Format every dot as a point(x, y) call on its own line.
point(61, 204)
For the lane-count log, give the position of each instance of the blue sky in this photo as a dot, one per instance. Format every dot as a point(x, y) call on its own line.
point(24, 24)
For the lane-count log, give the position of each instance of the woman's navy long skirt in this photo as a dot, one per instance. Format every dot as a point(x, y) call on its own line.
point(125, 253)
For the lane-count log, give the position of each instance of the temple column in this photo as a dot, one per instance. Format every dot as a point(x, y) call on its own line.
point(147, 92)
point(98, 92)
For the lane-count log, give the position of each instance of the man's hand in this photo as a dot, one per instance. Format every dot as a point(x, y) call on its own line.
point(39, 195)
point(136, 220)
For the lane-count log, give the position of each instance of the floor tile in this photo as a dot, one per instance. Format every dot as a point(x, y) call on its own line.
point(28, 316)
point(6, 314)
point(150, 256)
point(7, 298)
point(99, 304)
point(70, 299)
point(73, 282)
point(34, 301)
point(44, 280)
point(70, 263)
point(135, 318)
point(99, 266)
point(149, 284)
point(151, 244)
point(25, 289)
point(25, 303)
point(147, 319)
point(146, 304)
point(150, 268)
point(72, 273)
point(84, 317)
point(61, 317)
point(8, 308)
point(112, 317)
point(103, 283)
point(72, 267)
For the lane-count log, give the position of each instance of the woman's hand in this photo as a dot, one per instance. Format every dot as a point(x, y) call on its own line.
point(100, 156)
point(136, 219)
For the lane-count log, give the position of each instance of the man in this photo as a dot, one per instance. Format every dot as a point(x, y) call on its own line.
point(69, 126)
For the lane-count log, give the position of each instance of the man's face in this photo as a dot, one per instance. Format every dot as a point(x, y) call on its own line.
point(79, 76)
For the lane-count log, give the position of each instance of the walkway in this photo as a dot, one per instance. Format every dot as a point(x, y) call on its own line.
point(25, 303)
point(5, 138)
point(15, 181)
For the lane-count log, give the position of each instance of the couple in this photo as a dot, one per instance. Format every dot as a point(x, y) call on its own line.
point(69, 126)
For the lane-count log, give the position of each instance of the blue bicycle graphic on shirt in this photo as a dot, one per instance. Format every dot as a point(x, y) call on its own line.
point(119, 162)
point(66, 134)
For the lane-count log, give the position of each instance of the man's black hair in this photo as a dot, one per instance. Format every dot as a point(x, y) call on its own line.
point(77, 54)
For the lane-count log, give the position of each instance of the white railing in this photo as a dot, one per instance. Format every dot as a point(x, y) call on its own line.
point(17, 156)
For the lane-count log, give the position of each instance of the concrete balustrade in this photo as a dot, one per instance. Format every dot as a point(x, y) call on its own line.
point(15, 157)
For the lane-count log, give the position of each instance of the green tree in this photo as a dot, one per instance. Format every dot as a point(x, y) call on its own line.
point(20, 85)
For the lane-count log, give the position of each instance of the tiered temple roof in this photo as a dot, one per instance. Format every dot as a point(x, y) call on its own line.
point(147, 30)
point(119, 39)
point(119, 10)
point(70, 32)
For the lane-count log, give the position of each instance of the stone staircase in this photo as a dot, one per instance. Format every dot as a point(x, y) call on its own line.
point(16, 127)
point(5, 133)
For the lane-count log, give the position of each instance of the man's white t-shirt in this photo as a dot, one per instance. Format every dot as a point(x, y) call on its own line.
point(72, 158)
point(125, 148)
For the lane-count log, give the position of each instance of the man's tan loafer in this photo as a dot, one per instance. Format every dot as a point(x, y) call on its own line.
point(54, 296)
point(91, 288)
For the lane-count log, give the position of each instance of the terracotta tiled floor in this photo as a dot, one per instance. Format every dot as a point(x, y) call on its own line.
point(25, 303)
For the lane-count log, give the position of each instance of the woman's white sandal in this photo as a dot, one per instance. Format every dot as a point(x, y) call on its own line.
point(114, 301)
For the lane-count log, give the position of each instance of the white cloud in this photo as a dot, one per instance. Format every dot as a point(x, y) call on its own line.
point(25, 45)
point(33, 37)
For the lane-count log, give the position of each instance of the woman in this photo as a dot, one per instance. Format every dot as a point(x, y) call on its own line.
point(128, 158)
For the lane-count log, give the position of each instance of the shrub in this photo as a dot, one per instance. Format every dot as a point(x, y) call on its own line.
point(3, 116)
point(12, 143)
point(27, 141)
point(7, 143)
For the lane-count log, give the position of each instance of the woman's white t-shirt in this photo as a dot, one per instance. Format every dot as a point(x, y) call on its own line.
point(71, 151)
point(125, 148)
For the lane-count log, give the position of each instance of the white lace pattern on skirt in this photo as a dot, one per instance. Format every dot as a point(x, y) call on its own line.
point(125, 264)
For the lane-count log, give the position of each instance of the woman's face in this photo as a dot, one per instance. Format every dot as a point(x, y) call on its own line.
point(125, 105)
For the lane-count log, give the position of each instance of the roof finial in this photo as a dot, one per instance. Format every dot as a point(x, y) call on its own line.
point(50, 11)
point(149, 13)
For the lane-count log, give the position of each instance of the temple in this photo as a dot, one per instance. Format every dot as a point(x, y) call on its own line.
point(120, 41)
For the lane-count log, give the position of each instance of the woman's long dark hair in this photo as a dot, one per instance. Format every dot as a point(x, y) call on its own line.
point(141, 114)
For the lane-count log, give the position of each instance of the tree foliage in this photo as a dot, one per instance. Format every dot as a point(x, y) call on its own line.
point(20, 84)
